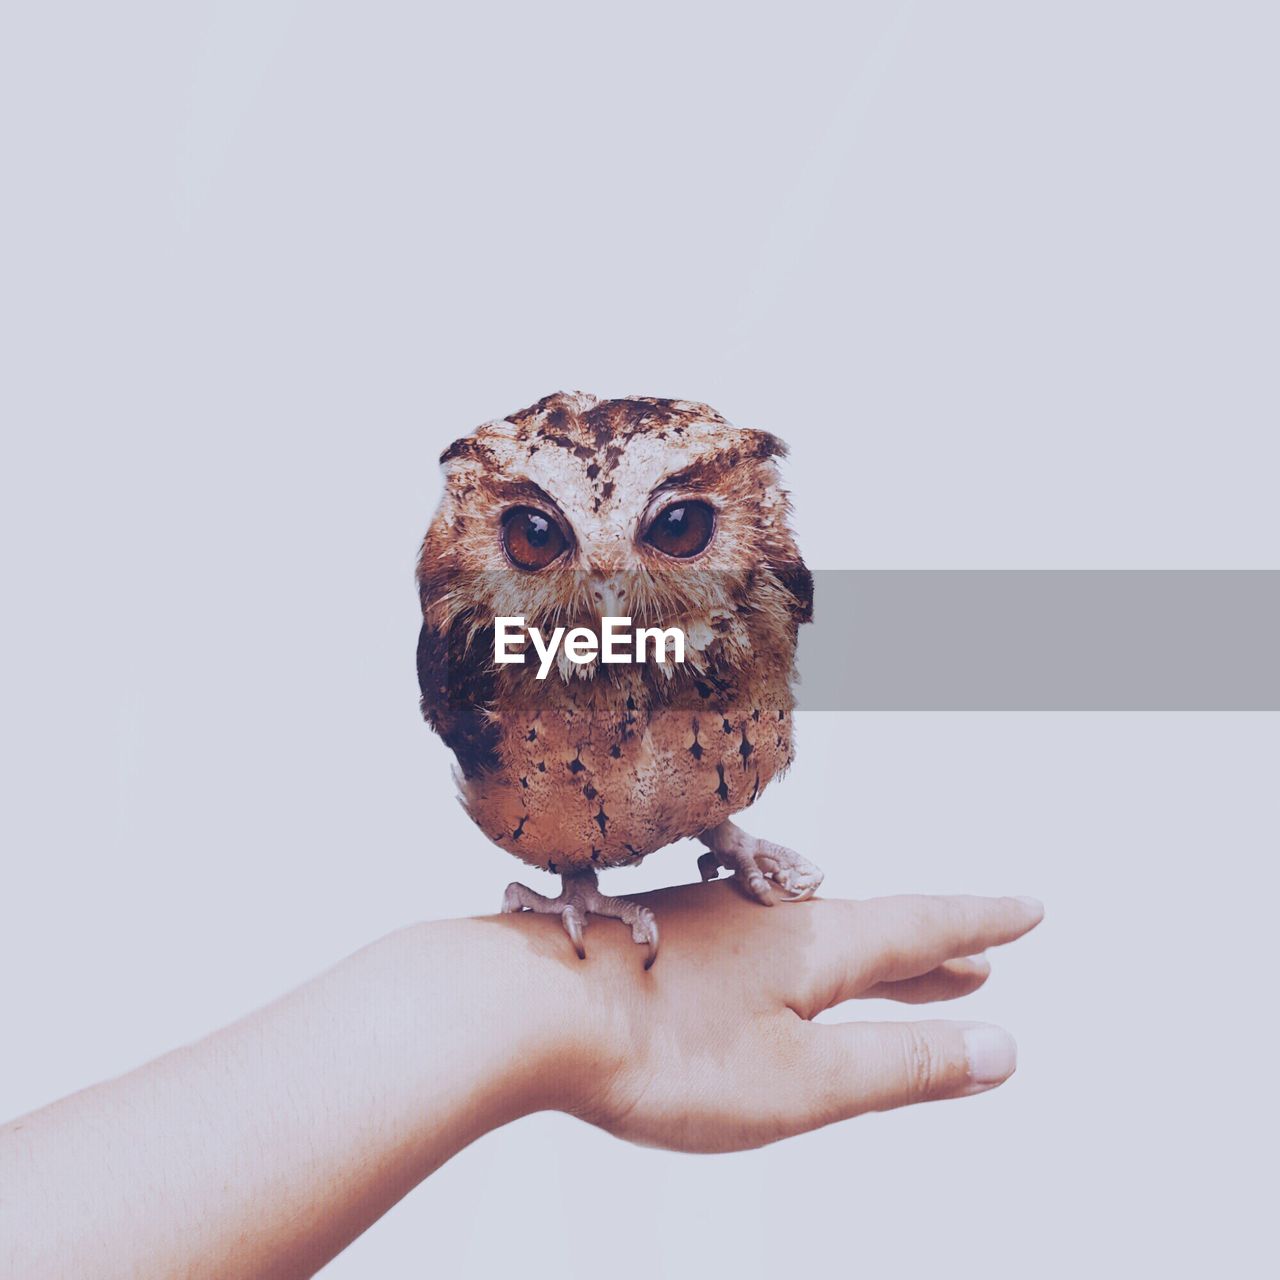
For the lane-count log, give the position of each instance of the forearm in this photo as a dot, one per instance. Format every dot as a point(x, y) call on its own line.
point(268, 1146)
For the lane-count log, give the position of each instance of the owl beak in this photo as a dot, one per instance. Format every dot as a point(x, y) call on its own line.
point(608, 596)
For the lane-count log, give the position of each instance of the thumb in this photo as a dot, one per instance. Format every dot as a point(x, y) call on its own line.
point(873, 1066)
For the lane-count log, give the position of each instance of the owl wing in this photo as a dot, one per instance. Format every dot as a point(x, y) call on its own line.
point(457, 686)
point(798, 580)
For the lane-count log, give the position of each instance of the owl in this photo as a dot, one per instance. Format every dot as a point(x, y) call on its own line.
point(571, 511)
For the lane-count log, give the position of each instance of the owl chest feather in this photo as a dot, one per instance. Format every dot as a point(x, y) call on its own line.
point(600, 773)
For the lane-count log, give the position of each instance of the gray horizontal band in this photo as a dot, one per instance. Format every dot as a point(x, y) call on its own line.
point(1078, 640)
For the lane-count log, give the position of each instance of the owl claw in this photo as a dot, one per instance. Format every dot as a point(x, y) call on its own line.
point(579, 895)
point(520, 898)
point(644, 928)
point(573, 922)
point(800, 886)
point(709, 866)
point(755, 862)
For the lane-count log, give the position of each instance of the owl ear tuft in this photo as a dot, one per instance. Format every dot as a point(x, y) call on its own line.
point(462, 448)
point(764, 444)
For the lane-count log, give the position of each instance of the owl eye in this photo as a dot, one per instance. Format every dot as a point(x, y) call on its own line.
point(682, 529)
point(531, 538)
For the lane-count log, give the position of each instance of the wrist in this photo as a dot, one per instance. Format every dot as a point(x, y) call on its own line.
point(542, 1027)
point(506, 1022)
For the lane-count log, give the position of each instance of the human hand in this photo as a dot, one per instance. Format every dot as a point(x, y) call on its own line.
point(715, 1048)
point(267, 1146)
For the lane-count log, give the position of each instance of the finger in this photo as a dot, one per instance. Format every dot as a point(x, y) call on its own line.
point(949, 981)
point(905, 936)
point(873, 1066)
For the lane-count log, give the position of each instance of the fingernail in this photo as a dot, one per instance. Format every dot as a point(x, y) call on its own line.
point(1032, 904)
point(978, 962)
point(991, 1054)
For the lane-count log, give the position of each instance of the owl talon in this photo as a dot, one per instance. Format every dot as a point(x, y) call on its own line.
point(800, 885)
point(580, 894)
point(519, 897)
point(644, 928)
point(708, 866)
point(573, 922)
point(755, 862)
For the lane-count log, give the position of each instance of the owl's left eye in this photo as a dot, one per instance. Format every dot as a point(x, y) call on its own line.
point(531, 538)
point(682, 529)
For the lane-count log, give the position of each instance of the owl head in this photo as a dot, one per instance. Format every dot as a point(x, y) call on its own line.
point(577, 508)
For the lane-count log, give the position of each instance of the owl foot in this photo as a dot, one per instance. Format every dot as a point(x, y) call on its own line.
point(580, 894)
point(756, 862)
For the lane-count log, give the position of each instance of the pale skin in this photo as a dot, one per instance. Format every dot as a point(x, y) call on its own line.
point(267, 1147)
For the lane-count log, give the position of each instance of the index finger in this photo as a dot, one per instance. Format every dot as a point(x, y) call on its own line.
point(890, 939)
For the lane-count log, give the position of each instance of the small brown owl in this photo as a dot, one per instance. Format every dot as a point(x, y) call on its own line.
point(659, 511)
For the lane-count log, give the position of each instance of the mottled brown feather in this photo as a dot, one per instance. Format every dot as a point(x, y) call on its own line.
point(600, 766)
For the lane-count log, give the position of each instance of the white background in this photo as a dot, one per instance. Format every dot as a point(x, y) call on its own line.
point(1004, 275)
